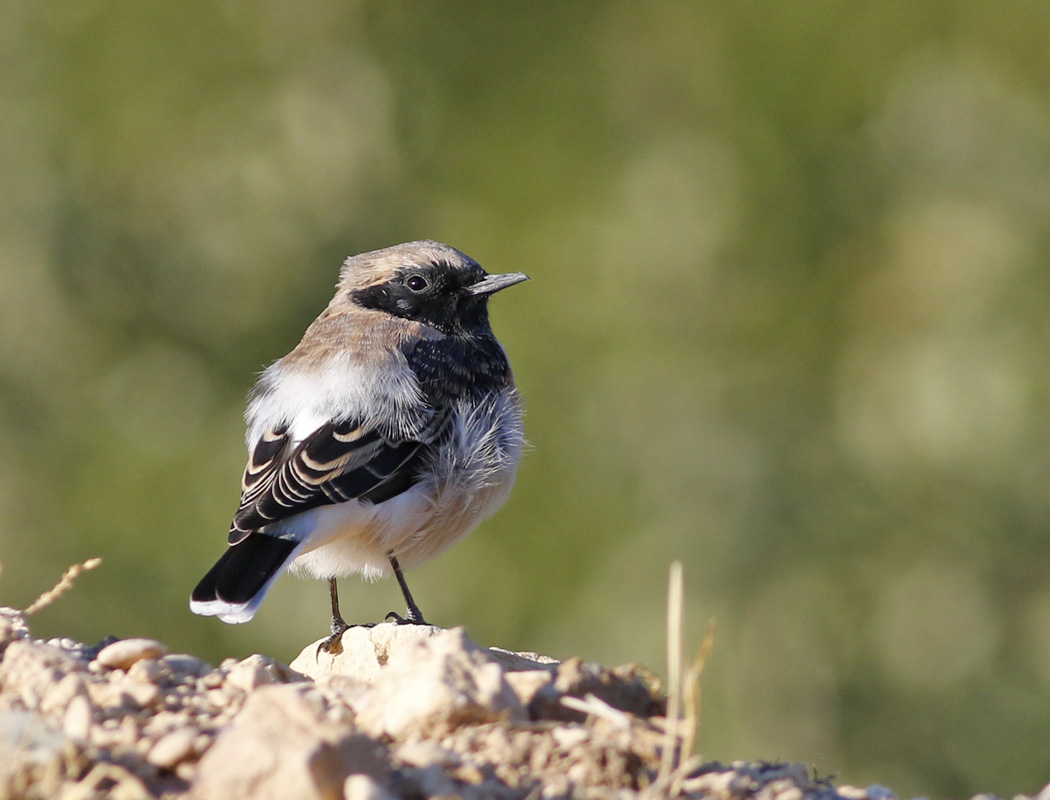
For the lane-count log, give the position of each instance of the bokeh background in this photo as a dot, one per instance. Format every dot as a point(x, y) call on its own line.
point(788, 323)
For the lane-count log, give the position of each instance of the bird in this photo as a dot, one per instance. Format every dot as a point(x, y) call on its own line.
point(388, 433)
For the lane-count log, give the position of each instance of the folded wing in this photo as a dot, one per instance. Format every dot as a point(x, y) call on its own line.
point(342, 460)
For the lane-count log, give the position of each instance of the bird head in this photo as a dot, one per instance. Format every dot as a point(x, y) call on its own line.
point(426, 282)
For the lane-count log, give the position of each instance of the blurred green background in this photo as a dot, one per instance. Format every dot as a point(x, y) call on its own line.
point(788, 322)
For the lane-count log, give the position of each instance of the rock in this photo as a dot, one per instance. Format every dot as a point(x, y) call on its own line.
point(434, 686)
point(256, 671)
point(32, 669)
point(424, 753)
point(182, 665)
point(623, 688)
point(173, 748)
point(527, 684)
point(521, 662)
point(125, 652)
point(12, 627)
point(78, 718)
point(135, 694)
point(363, 787)
point(70, 685)
point(364, 650)
point(281, 745)
point(148, 670)
point(32, 753)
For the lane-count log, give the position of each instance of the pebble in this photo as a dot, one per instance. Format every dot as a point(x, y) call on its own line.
point(213, 680)
point(58, 698)
point(248, 676)
point(78, 719)
point(183, 664)
point(148, 670)
point(363, 787)
point(122, 654)
point(424, 753)
point(528, 682)
point(140, 695)
point(173, 748)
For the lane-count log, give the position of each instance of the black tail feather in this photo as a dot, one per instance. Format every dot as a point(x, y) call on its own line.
point(244, 569)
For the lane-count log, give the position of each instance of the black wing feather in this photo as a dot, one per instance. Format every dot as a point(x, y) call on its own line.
point(340, 461)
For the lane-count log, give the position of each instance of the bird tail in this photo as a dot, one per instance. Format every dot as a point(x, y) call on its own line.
point(235, 587)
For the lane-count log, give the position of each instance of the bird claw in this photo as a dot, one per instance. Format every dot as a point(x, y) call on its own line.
point(410, 618)
point(333, 645)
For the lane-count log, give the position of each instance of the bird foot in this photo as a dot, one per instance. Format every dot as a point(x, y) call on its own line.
point(333, 645)
point(412, 617)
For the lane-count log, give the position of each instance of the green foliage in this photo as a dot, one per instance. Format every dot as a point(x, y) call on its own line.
point(787, 323)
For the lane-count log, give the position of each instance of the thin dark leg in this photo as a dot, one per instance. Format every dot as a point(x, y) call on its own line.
point(333, 644)
point(413, 616)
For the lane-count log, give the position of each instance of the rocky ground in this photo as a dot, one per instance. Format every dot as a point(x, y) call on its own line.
point(403, 711)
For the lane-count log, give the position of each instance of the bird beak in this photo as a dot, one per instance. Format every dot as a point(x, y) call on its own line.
point(493, 283)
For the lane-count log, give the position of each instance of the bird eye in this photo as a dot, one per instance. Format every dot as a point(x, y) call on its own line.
point(417, 283)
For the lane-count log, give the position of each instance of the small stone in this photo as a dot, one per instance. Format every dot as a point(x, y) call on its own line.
point(181, 664)
point(526, 684)
point(879, 792)
point(186, 770)
point(125, 652)
point(424, 753)
point(103, 694)
point(213, 679)
point(364, 787)
point(256, 671)
point(12, 627)
point(852, 792)
point(469, 773)
point(141, 695)
point(148, 670)
point(217, 697)
point(58, 698)
point(247, 677)
point(79, 716)
point(173, 748)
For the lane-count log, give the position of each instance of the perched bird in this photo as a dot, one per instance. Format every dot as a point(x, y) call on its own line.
point(390, 431)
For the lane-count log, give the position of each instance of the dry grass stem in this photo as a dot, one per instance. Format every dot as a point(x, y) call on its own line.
point(64, 584)
point(674, 671)
point(692, 690)
point(679, 734)
point(596, 707)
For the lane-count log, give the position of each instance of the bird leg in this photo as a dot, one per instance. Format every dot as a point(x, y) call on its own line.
point(333, 644)
point(413, 616)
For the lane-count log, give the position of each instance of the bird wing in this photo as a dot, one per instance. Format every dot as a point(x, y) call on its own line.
point(342, 460)
point(353, 459)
